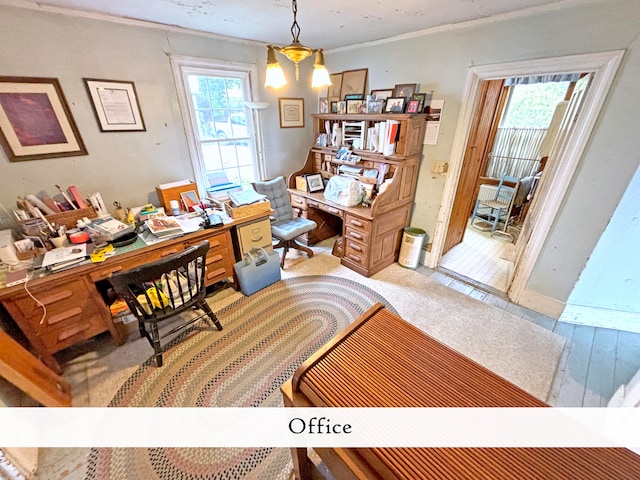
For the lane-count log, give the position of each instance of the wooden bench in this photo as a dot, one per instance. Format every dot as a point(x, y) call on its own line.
point(383, 361)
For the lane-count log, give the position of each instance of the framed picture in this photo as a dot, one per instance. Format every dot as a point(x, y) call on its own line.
point(35, 120)
point(323, 105)
point(375, 106)
point(314, 182)
point(421, 97)
point(342, 107)
point(356, 106)
point(336, 85)
point(115, 104)
point(190, 200)
point(394, 105)
point(404, 90)
point(334, 106)
point(412, 106)
point(291, 112)
point(382, 94)
point(353, 81)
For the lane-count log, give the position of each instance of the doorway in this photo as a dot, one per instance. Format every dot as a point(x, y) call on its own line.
point(555, 180)
point(519, 135)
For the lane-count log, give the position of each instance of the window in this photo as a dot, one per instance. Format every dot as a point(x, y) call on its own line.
point(221, 133)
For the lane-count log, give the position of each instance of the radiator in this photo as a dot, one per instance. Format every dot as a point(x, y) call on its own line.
point(487, 192)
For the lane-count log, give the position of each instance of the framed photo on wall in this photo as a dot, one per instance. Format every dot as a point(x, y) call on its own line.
point(35, 120)
point(115, 104)
point(354, 82)
point(405, 90)
point(291, 112)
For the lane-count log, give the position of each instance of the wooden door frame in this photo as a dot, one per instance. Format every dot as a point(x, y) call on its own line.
point(604, 66)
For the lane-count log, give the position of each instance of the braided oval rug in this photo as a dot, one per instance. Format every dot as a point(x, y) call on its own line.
point(266, 337)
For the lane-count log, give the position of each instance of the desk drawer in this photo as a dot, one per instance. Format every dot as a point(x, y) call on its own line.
point(298, 202)
point(110, 268)
point(71, 302)
point(356, 252)
point(254, 235)
point(355, 235)
point(220, 257)
point(325, 208)
point(357, 224)
point(71, 331)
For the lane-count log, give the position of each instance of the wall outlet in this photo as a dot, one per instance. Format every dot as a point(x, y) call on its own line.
point(439, 167)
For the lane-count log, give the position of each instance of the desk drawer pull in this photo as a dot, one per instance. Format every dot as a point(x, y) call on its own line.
point(355, 235)
point(214, 259)
point(72, 312)
point(257, 239)
point(214, 243)
point(357, 223)
point(108, 273)
point(74, 331)
point(169, 252)
point(216, 273)
point(299, 201)
point(355, 258)
point(312, 204)
point(355, 247)
point(333, 210)
point(56, 297)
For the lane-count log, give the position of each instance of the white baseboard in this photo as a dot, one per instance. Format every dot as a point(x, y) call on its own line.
point(601, 317)
point(540, 303)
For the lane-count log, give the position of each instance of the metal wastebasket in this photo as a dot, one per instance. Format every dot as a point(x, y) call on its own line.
point(412, 241)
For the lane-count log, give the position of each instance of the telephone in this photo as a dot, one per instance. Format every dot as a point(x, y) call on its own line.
point(212, 219)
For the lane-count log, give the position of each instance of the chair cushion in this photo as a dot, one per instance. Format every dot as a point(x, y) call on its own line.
point(292, 228)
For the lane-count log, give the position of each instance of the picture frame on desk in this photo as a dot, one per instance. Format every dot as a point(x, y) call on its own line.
point(115, 105)
point(353, 82)
point(314, 182)
point(405, 90)
point(394, 105)
point(382, 94)
point(35, 120)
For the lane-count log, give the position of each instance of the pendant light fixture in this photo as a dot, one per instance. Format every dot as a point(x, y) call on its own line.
point(296, 52)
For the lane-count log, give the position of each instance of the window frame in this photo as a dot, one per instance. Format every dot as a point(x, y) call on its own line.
point(183, 66)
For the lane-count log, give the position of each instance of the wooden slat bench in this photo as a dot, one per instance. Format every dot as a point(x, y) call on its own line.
point(383, 361)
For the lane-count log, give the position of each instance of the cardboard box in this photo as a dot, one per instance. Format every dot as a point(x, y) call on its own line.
point(301, 183)
point(172, 191)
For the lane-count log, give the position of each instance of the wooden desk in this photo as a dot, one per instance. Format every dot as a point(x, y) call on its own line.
point(383, 361)
point(74, 309)
point(371, 236)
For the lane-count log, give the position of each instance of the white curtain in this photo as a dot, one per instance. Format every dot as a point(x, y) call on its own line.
point(516, 152)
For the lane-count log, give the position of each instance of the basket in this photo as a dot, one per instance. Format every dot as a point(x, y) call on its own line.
point(247, 210)
point(70, 218)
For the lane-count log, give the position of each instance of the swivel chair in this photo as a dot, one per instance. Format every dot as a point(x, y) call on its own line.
point(285, 227)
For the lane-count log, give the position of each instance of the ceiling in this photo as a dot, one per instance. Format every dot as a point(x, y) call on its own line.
point(327, 23)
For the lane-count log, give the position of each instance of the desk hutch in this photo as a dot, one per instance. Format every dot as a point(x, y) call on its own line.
point(371, 235)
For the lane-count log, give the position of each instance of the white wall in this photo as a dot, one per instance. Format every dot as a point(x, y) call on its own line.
point(126, 166)
point(439, 61)
point(608, 289)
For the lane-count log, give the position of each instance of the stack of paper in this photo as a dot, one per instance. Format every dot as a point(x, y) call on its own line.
point(245, 197)
point(65, 257)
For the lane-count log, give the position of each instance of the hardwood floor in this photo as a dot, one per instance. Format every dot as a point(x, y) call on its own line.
point(594, 363)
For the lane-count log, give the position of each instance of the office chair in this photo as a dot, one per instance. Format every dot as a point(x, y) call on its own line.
point(285, 227)
point(160, 290)
point(493, 210)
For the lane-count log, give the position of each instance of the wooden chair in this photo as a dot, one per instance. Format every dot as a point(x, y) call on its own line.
point(163, 289)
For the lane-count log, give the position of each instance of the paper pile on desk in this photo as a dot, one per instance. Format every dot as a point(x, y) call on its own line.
point(65, 257)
